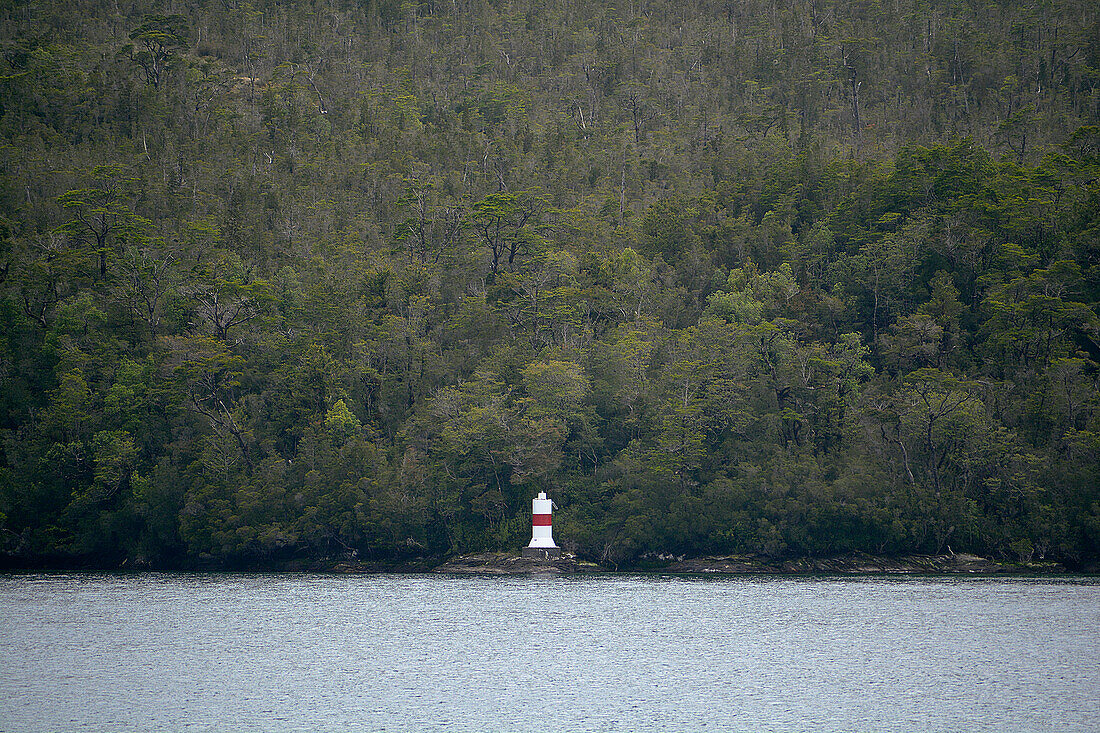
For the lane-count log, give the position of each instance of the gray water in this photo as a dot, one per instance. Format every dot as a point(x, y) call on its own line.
point(591, 653)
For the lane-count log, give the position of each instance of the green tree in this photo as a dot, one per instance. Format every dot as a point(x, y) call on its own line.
point(101, 213)
point(226, 294)
point(507, 225)
point(207, 374)
point(155, 42)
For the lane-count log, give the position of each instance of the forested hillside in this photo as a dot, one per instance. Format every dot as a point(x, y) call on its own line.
point(335, 279)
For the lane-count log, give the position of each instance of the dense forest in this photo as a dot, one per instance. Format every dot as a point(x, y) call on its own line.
point(341, 279)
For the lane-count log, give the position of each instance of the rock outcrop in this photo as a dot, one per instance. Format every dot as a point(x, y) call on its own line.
point(501, 563)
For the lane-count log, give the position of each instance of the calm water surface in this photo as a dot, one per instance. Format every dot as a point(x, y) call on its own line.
point(595, 653)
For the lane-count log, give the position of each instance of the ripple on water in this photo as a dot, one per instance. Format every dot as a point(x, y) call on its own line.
point(593, 653)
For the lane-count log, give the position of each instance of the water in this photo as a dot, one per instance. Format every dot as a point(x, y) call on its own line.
point(591, 653)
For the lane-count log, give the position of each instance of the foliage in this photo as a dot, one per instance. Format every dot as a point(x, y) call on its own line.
point(316, 280)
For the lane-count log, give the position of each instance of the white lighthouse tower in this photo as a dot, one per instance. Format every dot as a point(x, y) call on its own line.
point(542, 539)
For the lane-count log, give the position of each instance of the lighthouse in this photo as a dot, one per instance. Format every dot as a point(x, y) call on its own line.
point(542, 540)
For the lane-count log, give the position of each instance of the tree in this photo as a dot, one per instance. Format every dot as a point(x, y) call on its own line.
point(101, 212)
point(431, 229)
point(469, 433)
point(155, 43)
point(46, 271)
point(114, 454)
point(507, 224)
point(937, 423)
point(148, 277)
point(855, 58)
point(207, 374)
point(226, 294)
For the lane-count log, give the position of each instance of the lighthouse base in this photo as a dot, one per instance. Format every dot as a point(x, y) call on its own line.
point(541, 553)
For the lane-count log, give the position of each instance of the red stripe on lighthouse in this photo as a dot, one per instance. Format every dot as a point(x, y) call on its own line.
point(540, 520)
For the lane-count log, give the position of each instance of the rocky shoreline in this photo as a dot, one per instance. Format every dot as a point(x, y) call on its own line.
point(500, 563)
point(860, 564)
point(504, 563)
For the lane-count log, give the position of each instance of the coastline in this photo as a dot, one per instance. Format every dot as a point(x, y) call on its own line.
point(852, 564)
point(505, 563)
